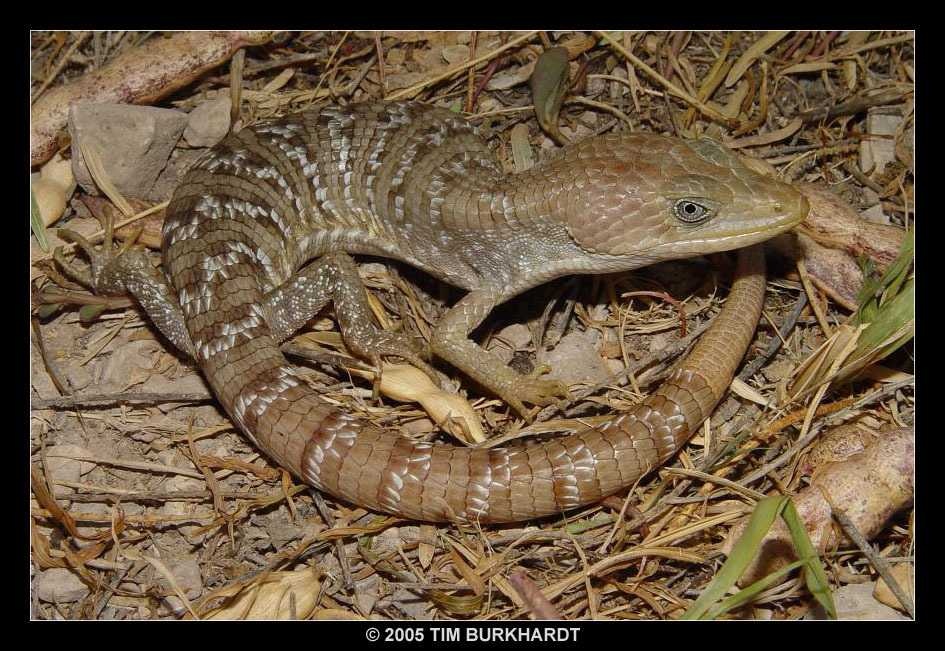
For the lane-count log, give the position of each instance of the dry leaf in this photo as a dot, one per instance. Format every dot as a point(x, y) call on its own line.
point(274, 598)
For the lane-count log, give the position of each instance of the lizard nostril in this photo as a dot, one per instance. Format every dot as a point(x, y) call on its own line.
point(778, 207)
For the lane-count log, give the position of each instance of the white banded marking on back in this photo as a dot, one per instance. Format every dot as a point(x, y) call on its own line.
point(230, 334)
point(196, 299)
point(256, 397)
point(341, 432)
point(234, 160)
point(477, 496)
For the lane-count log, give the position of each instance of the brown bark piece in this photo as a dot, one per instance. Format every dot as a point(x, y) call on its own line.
point(834, 224)
point(139, 76)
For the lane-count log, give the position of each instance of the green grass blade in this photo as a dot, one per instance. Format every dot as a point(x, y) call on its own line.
point(745, 549)
point(713, 603)
point(36, 223)
point(876, 293)
point(748, 594)
point(814, 574)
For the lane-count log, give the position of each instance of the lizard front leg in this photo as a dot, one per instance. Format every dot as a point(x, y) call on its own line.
point(451, 342)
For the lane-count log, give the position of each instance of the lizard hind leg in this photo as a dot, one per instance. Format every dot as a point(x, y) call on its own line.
point(334, 277)
point(128, 271)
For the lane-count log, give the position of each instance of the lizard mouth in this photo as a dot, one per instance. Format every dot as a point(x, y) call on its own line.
point(739, 234)
point(783, 216)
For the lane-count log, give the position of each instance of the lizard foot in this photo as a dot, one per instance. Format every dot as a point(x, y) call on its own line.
point(532, 389)
point(377, 344)
point(105, 260)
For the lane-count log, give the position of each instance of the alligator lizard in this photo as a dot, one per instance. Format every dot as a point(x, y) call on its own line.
point(256, 242)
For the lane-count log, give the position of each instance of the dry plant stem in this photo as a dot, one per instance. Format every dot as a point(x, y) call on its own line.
point(801, 443)
point(880, 564)
point(46, 297)
point(329, 519)
point(96, 237)
point(79, 40)
point(774, 344)
point(101, 400)
point(845, 52)
point(620, 378)
point(855, 105)
point(139, 76)
point(412, 91)
point(813, 298)
point(675, 90)
point(59, 380)
point(151, 496)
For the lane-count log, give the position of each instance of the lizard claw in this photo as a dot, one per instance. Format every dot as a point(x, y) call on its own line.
point(534, 390)
point(100, 258)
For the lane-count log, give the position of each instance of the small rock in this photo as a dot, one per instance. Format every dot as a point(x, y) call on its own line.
point(456, 54)
point(209, 122)
point(412, 605)
point(512, 77)
point(576, 360)
point(875, 214)
point(615, 366)
point(508, 340)
point(63, 468)
point(366, 592)
point(79, 376)
point(388, 541)
point(876, 152)
point(282, 531)
point(40, 381)
point(905, 149)
point(133, 143)
point(59, 585)
point(104, 511)
point(128, 361)
point(173, 173)
point(187, 574)
point(855, 601)
point(145, 436)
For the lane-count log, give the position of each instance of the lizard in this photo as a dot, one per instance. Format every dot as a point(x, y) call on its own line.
point(258, 238)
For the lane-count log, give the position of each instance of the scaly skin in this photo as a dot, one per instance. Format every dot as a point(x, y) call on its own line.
point(415, 183)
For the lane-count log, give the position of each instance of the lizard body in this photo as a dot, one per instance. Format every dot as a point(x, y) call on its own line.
point(256, 242)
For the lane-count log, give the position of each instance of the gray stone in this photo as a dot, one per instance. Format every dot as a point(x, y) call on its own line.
point(59, 585)
point(208, 123)
point(133, 143)
point(173, 173)
point(63, 468)
point(187, 574)
point(879, 150)
point(576, 360)
point(855, 601)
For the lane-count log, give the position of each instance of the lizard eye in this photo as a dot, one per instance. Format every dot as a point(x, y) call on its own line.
point(691, 212)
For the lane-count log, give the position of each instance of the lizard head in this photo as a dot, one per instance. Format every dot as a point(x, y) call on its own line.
point(655, 198)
